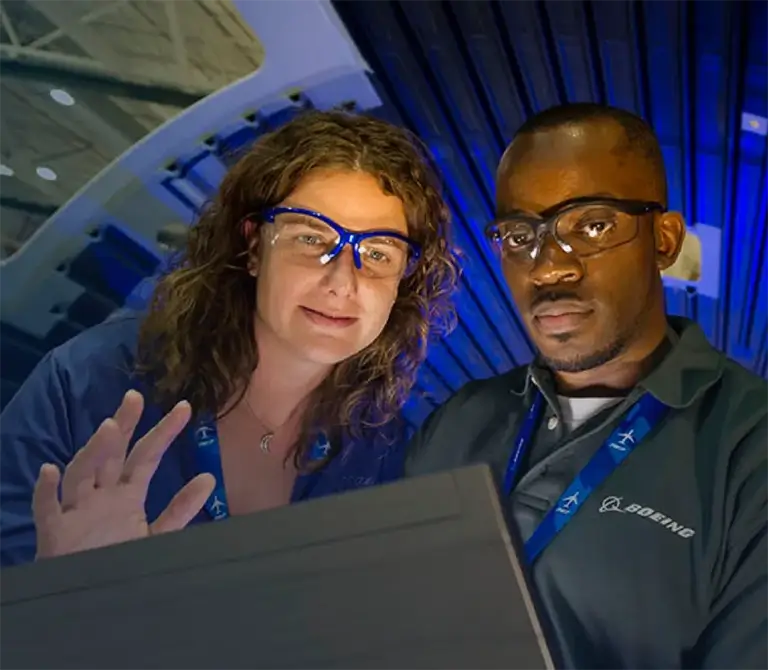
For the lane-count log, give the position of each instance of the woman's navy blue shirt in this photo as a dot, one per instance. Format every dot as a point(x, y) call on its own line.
point(81, 383)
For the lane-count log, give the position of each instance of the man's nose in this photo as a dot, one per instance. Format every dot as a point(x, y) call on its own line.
point(554, 265)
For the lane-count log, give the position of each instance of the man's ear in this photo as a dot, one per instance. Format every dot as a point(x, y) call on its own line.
point(669, 235)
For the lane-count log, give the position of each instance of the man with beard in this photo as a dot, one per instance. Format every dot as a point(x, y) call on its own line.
point(659, 561)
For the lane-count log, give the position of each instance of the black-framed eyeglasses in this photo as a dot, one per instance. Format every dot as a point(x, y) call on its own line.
point(310, 237)
point(582, 226)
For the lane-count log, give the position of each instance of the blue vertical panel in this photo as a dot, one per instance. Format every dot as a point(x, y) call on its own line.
point(746, 254)
point(571, 45)
point(662, 32)
point(617, 55)
point(454, 89)
point(493, 64)
point(526, 31)
point(737, 21)
point(752, 329)
point(712, 23)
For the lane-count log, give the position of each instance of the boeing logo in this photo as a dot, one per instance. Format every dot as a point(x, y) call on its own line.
point(204, 435)
point(218, 508)
point(625, 440)
point(569, 504)
point(614, 504)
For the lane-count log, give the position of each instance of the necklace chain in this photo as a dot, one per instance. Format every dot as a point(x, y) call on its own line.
point(267, 437)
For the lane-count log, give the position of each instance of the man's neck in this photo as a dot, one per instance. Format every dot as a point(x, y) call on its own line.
point(282, 379)
point(617, 377)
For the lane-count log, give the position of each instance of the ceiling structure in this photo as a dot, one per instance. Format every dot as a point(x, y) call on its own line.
point(128, 67)
point(463, 75)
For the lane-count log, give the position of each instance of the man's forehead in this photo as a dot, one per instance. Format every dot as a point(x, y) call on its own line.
point(543, 169)
point(542, 189)
point(535, 186)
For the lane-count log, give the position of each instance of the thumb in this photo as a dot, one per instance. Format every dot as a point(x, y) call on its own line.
point(185, 505)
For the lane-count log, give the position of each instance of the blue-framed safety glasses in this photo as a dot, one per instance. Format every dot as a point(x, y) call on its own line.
point(310, 237)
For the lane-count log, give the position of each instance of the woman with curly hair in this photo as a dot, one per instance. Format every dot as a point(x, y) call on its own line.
point(273, 354)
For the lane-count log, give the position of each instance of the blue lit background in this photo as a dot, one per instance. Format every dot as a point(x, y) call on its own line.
point(464, 76)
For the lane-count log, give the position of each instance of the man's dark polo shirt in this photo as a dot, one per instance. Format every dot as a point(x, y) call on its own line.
point(665, 564)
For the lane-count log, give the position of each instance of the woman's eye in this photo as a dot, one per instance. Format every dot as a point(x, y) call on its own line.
point(378, 256)
point(309, 239)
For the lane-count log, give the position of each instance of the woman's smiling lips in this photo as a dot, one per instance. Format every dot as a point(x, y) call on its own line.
point(328, 320)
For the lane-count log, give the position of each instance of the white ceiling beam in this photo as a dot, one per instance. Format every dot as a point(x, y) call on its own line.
point(6, 23)
point(177, 40)
point(63, 30)
point(90, 73)
point(97, 45)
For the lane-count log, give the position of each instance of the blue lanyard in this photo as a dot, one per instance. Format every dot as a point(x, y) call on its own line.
point(642, 417)
point(209, 460)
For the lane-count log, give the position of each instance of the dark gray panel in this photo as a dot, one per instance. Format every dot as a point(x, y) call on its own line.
point(417, 574)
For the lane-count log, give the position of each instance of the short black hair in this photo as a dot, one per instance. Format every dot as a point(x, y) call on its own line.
point(640, 137)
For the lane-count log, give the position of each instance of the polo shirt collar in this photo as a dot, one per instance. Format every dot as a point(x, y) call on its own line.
point(690, 367)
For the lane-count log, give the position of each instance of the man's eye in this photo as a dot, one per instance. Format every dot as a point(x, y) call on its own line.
point(519, 238)
point(597, 228)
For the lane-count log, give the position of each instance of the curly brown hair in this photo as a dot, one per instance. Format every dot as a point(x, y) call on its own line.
point(197, 341)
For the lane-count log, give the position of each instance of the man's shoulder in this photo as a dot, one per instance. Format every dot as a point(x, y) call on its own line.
point(508, 387)
point(729, 424)
point(738, 402)
point(750, 389)
point(699, 375)
point(467, 424)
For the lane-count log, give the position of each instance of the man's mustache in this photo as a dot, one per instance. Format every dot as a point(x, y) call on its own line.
point(542, 297)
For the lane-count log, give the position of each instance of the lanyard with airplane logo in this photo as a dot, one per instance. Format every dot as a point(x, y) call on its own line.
point(209, 460)
point(642, 417)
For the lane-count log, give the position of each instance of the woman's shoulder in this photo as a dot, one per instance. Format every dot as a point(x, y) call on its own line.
point(86, 377)
point(69, 393)
point(109, 345)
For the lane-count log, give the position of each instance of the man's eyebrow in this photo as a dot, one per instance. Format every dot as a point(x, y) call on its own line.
point(503, 213)
point(600, 194)
point(515, 211)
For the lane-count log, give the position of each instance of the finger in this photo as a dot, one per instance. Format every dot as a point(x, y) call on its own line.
point(46, 509)
point(128, 414)
point(79, 480)
point(111, 460)
point(145, 456)
point(101, 461)
point(185, 504)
